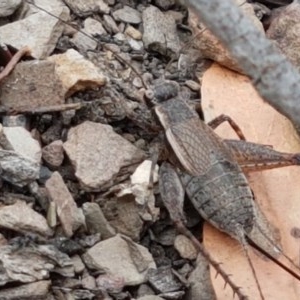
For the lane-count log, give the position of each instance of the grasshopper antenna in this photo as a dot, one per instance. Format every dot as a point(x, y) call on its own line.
point(94, 39)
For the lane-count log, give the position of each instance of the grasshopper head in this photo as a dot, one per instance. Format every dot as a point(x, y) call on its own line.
point(161, 92)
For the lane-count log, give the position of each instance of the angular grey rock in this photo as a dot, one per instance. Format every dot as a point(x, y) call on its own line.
point(35, 290)
point(98, 154)
point(53, 154)
point(88, 6)
point(88, 282)
point(96, 221)
point(128, 15)
point(19, 140)
point(164, 280)
point(32, 84)
point(70, 216)
point(21, 218)
point(90, 27)
point(17, 169)
point(20, 161)
point(110, 283)
point(125, 215)
point(135, 45)
point(43, 38)
point(200, 282)
point(15, 121)
point(121, 258)
point(30, 264)
point(8, 7)
point(160, 31)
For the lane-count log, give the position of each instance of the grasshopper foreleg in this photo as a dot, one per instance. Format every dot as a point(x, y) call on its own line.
point(224, 118)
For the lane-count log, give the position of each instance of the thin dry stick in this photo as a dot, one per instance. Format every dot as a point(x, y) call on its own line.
point(40, 110)
point(274, 77)
point(12, 63)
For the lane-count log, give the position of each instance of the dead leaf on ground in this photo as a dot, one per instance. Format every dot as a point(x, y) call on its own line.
point(277, 191)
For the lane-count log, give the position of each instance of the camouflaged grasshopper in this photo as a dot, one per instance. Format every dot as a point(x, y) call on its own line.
point(213, 178)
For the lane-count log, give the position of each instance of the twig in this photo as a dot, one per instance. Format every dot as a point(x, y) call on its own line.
point(12, 63)
point(274, 77)
point(40, 110)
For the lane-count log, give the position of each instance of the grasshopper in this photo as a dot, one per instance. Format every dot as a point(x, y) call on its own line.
point(213, 178)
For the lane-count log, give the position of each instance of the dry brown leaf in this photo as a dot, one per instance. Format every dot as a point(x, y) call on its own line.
point(277, 191)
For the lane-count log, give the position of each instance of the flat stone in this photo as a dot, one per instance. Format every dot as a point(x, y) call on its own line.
point(121, 257)
point(21, 218)
point(41, 39)
point(185, 247)
point(128, 15)
point(15, 121)
point(70, 216)
point(90, 27)
point(96, 221)
point(160, 33)
point(150, 297)
point(35, 290)
point(53, 154)
point(88, 6)
point(134, 33)
point(32, 84)
point(78, 264)
point(76, 73)
point(98, 154)
point(49, 5)
point(18, 139)
point(8, 7)
point(110, 24)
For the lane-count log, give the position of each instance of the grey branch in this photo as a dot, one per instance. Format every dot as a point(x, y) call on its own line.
point(273, 76)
